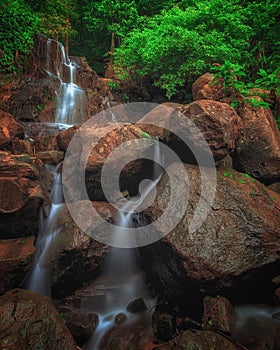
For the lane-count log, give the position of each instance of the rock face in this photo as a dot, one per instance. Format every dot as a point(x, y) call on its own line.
point(202, 340)
point(219, 314)
point(217, 121)
point(32, 100)
point(15, 260)
point(10, 131)
point(80, 324)
point(21, 195)
point(258, 150)
point(134, 146)
point(29, 321)
point(237, 245)
point(202, 89)
point(74, 257)
point(14, 128)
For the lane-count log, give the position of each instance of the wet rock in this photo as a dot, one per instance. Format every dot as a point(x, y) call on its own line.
point(135, 336)
point(74, 258)
point(217, 121)
point(153, 123)
point(137, 305)
point(22, 147)
point(128, 143)
point(236, 245)
point(275, 187)
point(45, 143)
point(219, 314)
point(5, 140)
point(16, 257)
point(164, 323)
point(80, 324)
point(64, 137)
point(120, 318)
point(258, 150)
point(14, 128)
point(32, 100)
point(50, 157)
point(21, 195)
point(29, 321)
point(202, 340)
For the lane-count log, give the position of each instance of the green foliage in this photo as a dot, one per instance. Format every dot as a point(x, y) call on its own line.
point(180, 44)
point(18, 25)
point(114, 16)
point(56, 17)
point(113, 86)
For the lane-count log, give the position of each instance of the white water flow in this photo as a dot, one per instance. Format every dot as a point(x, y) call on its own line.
point(48, 230)
point(121, 270)
point(256, 325)
point(71, 101)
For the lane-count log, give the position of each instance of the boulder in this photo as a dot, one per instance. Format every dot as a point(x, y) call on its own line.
point(135, 335)
point(21, 195)
point(14, 128)
point(50, 157)
point(64, 137)
point(74, 258)
point(32, 100)
point(16, 257)
point(137, 305)
point(258, 149)
point(164, 323)
point(22, 147)
point(80, 324)
point(219, 314)
point(237, 245)
point(5, 139)
point(127, 147)
point(30, 322)
point(202, 340)
point(218, 122)
point(202, 89)
point(275, 187)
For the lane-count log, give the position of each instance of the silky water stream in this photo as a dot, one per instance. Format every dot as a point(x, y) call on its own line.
point(122, 270)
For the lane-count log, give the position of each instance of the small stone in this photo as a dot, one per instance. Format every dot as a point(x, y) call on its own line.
point(136, 306)
point(120, 318)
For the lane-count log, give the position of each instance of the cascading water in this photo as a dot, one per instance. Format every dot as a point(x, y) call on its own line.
point(70, 109)
point(122, 268)
point(48, 230)
point(71, 101)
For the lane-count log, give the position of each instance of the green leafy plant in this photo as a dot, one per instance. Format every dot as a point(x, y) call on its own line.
point(113, 86)
point(18, 25)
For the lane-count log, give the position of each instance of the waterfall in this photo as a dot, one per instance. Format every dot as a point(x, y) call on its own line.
point(122, 268)
point(71, 100)
point(48, 230)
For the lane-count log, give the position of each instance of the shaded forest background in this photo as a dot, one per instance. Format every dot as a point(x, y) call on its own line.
point(165, 44)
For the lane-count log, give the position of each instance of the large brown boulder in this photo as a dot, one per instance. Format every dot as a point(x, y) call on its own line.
point(236, 245)
point(218, 122)
point(258, 150)
point(30, 322)
point(21, 195)
point(126, 166)
point(15, 260)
